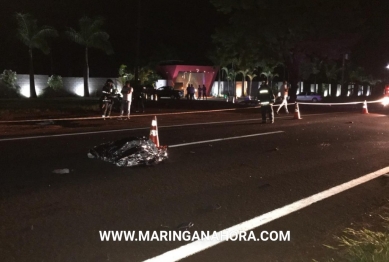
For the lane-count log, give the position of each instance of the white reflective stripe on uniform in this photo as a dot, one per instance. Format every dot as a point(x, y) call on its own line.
point(265, 103)
point(263, 91)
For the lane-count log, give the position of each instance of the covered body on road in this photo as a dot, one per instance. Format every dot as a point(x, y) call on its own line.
point(130, 151)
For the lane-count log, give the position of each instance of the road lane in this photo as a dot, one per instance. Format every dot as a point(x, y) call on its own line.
point(238, 232)
point(245, 177)
point(69, 127)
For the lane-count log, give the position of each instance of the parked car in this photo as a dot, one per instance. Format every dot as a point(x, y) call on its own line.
point(248, 103)
point(309, 97)
point(279, 99)
point(168, 91)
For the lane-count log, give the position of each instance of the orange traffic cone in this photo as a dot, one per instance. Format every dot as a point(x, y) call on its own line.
point(154, 132)
point(296, 111)
point(364, 108)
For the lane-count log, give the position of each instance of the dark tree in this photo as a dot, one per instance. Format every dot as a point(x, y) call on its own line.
point(288, 31)
point(90, 36)
point(33, 37)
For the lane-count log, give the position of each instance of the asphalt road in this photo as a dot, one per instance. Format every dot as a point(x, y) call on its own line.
point(213, 184)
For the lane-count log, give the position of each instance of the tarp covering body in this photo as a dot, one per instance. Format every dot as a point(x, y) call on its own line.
point(130, 151)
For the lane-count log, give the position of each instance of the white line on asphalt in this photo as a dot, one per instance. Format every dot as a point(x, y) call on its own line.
point(141, 128)
point(200, 245)
point(142, 115)
point(223, 139)
point(112, 117)
point(72, 134)
point(128, 129)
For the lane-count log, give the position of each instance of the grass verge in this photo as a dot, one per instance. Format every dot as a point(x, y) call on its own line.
point(25, 108)
point(363, 245)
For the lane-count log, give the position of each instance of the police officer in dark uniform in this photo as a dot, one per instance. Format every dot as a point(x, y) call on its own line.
point(107, 88)
point(106, 92)
point(140, 97)
point(266, 99)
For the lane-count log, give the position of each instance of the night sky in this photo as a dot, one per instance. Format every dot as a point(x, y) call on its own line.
point(172, 29)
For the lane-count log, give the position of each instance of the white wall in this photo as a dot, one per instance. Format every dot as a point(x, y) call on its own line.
point(74, 85)
point(224, 87)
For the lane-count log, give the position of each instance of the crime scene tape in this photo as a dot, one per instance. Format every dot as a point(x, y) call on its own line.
point(335, 104)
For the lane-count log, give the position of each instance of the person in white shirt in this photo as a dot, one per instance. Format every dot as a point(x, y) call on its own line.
point(284, 93)
point(127, 91)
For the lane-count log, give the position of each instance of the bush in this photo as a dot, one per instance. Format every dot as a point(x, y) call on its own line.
point(8, 87)
point(55, 82)
point(55, 88)
point(9, 78)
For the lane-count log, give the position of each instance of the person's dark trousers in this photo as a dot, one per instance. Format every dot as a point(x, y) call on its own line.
point(124, 108)
point(268, 109)
point(101, 104)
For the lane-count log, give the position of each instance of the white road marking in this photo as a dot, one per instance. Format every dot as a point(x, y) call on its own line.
point(128, 129)
point(72, 134)
point(112, 117)
point(200, 245)
point(142, 115)
point(223, 139)
point(141, 128)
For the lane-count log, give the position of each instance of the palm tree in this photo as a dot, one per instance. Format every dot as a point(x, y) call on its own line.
point(357, 76)
point(33, 37)
point(90, 36)
point(225, 69)
point(372, 82)
point(232, 76)
point(268, 68)
point(244, 74)
point(251, 77)
point(331, 71)
point(316, 68)
point(269, 76)
point(309, 67)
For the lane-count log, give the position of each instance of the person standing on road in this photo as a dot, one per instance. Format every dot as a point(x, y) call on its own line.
point(188, 92)
point(139, 98)
point(106, 92)
point(204, 92)
point(266, 99)
point(191, 91)
point(284, 94)
point(199, 93)
point(142, 98)
point(127, 98)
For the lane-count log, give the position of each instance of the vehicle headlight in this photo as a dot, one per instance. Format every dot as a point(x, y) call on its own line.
point(385, 101)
